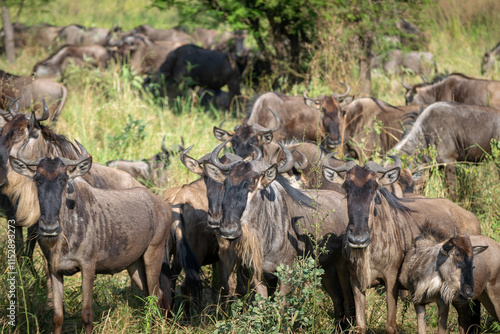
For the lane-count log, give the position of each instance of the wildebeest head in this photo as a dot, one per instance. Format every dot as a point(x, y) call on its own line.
point(361, 185)
point(18, 129)
point(331, 111)
point(415, 94)
point(51, 177)
point(242, 180)
point(455, 267)
point(245, 136)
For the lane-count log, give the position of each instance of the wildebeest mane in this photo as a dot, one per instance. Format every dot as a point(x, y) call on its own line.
point(396, 203)
point(428, 232)
point(7, 75)
point(62, 144)
point(295, 194)
point(378, 103)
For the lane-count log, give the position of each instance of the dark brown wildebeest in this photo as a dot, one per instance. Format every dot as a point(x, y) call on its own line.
point(419, 62)
point(173, 35)
point(96, 231)
point(441, 272)
point(490, 58)
point(151, 171)
point(145, 56)
point(269, 222)
point(302, 118)
point(382, 228)
point(459, 132)
point(372, 126)
point(75, 34)
point(55, 65)
point(31, 91)
point(455, 87)
point(190, 65)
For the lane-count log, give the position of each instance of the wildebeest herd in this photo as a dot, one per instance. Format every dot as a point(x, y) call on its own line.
point(274, 198)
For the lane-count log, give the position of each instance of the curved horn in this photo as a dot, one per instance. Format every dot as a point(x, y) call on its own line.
point(45, 114)
point(375, 167)
point(397, 161)
point(305, 95)
point(23, 159)
point(259, 152)
point(423, 77)
point(259, 128)
point(337, 96)
point(403, 83)
point(13, 103)
point(163, 147)
point(298, 165)
point(344, 168)
point(214, 158)
point(289, 162)
point(185, 152)
point(84, 155)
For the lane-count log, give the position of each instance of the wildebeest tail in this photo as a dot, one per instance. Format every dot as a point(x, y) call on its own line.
point(165, 276)
point(189, 262)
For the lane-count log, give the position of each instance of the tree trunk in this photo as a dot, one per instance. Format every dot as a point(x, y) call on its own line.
point(365, 76)
point(9, 34)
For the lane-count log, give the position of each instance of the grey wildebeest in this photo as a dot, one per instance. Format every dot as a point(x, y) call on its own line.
point(455, 87)
point(190, 65)
point(302, 118)
point(56, 63)
point(458, 131)
point(269, 223)
point(75, 34)
point(381, 229)
point(419, 62)
point(31, 92)
point(173, 35)
point(490, 58)
point(372, 126)
point(441, 272)
point(96, 231)
point(145, 56)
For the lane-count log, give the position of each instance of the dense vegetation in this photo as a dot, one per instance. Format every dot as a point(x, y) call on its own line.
point(108, 115)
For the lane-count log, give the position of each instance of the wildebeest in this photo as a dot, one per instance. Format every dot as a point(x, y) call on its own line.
point(490, 58)
point(458, 131)
point(372, 126)
point(75, 34)
point(381, 229)
point(419, 62)
point(56, 63)
point(302, 118)
point(455, 87)
point(190, 65)
point(31, 92)
point(441, 272)
point(144, 55)
point(269, 223)
point(173, 35)
point(226, 41)
point(40, 34)
point(96, 231)
point(151, 171)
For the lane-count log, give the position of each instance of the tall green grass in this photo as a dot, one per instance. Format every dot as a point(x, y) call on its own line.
point(103, 105)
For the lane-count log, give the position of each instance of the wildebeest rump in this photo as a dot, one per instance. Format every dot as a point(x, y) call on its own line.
point(381, 229)
point(56, 63)
point(31, 92)
point(302, 118)
point(458, 131)
point(190, 66)
point(455, 87)
point(441, 272)
point(97, 231)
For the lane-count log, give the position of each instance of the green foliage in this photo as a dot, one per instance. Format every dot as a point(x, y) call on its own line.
point(132, 134)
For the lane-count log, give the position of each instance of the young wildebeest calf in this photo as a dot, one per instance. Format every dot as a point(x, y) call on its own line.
point(441, 272)
point(96, 231)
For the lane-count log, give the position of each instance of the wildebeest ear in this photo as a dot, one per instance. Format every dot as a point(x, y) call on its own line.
point(478, 249)
point(20, 167)
point(192, 164)
point(269, 176)
point(312, 104)
point(332, 176)
point(222, 135)
point(389, 177)
point(447, 248)
point(214, 172)
point(267, 137)
point(80, 169)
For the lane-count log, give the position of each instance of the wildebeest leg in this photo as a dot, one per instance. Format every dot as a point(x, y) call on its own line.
point(465, 318)
point(88, 275)
point(331, 283)
point(18, 231)
point(450, 176)
point(392, 299)
point(153, 259)
point(360, 304)
point(345, 284)
point(443, 310)
point(58, 291)
point(420, 311)
point(138, 274)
